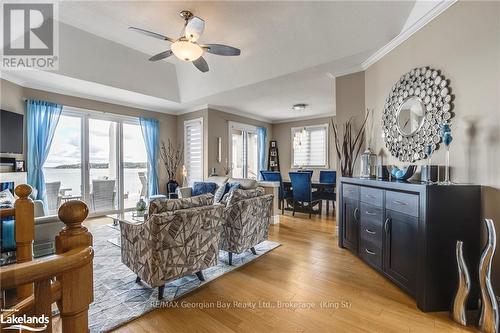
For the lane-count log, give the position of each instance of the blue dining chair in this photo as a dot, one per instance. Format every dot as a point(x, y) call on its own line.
point(327, 194)
point(307, 171)
point(275, 176)
point(302, 191)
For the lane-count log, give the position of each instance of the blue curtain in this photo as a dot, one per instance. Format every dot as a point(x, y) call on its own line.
point(262, 133)
point(150, 132)
point(42, 119)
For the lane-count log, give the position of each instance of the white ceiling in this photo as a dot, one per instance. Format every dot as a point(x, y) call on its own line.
point(287, 50)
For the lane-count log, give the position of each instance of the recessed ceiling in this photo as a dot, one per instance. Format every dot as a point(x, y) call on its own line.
point(287, 50)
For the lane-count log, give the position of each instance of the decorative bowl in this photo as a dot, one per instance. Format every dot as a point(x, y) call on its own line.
point(403, 173)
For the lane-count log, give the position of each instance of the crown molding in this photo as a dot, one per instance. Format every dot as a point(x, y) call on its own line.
point(237, 112)
point(293, 120)
point(407, 33)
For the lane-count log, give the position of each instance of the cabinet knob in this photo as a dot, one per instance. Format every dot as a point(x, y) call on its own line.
point(356, 214)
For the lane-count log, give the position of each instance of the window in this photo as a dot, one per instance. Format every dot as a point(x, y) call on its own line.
point(193, 150)
point(243, 150)
point(310, 146)
point(135, 161)
point(110, 147)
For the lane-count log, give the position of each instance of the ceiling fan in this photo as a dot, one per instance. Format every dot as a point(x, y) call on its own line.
point(186, 46)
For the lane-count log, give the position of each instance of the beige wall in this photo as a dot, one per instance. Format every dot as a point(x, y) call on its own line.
point(464, 43)
point(12, 99)
point(350, 103)
point(282, 133)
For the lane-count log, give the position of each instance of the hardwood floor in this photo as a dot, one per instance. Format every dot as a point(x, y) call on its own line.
point(321, 287)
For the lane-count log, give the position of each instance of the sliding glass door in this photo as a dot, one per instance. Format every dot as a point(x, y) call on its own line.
point(98, 158)
point(243, 150)
point(103, 165)
point(63, 167)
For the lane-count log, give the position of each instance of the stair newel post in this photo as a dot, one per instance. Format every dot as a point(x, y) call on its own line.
point(76, 285)
point(24, 233)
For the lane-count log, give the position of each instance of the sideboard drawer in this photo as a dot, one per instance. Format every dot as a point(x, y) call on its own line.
point(371, 253)
point(350, 191)
point(373, 196)
point(402, 202)
point(371, 232)
point(371, 213)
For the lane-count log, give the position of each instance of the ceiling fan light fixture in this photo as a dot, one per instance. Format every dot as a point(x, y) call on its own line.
point(186, 50)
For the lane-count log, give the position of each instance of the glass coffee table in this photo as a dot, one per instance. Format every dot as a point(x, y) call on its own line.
point(128, 217)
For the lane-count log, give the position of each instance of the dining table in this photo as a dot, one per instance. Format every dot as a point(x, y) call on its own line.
point(315, 185)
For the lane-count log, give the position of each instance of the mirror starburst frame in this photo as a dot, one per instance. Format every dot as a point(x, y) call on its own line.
point(432, 88)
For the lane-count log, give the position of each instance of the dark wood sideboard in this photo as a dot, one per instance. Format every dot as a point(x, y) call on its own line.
point(408, 233)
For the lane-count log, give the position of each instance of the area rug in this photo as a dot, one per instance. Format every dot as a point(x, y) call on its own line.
point(118, 299)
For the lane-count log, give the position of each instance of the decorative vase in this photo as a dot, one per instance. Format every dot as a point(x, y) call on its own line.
point(458, 311)
point(447, 139)
point(368, 164)
point(141, 207)
point(489, 317)
point(172, 186)
point(428, 170)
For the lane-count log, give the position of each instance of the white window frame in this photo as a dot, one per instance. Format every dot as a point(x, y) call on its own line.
point(186, 123)
point(244, 128)
point(296, 129)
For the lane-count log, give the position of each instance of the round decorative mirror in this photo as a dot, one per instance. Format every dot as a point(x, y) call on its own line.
point(410, 116)
point(416, 108)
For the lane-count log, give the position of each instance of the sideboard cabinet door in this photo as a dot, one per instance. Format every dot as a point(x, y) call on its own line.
point(400, 249)
point(351, 224)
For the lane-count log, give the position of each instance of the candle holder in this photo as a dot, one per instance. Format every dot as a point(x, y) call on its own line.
point(428, 170)
point(447, 139)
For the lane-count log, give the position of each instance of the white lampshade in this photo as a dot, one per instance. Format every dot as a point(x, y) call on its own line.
point(186, 50)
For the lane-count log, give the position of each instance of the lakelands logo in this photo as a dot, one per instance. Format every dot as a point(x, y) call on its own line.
point(30, 35)
point(28, 323)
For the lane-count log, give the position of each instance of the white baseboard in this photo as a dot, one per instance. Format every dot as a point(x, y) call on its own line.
point(275, 219)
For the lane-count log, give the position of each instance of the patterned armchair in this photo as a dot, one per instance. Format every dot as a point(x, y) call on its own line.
point(181, 237)
point(246, 220)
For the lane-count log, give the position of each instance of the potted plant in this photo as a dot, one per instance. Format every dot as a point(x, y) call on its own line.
point(171, 156)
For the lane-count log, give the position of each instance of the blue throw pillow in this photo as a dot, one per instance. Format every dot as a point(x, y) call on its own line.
point(220, 192)
point(231, 187)
point(200, 188)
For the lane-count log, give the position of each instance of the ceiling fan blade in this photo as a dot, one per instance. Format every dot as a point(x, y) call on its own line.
point(152, 34)
point(161, 55)
point(194, 28)
point(223, 50)
point(201, 64)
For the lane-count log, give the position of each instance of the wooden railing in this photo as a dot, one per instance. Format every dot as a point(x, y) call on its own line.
point(65, 278)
